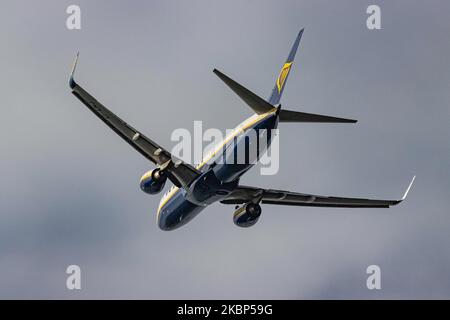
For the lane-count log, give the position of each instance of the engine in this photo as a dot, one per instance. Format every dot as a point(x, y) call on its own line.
point(247, 215)
point(153, 181)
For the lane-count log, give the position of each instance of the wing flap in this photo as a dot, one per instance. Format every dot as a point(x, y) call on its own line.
point(244, 194)
point(180, 173)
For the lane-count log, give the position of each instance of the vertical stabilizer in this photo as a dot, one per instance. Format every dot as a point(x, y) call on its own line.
point(282, 77)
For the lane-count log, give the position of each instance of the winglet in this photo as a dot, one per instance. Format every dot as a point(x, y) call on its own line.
point(72, 82)
point(409, 187)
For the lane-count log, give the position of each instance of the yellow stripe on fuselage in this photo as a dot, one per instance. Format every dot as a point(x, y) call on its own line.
point(240, 128)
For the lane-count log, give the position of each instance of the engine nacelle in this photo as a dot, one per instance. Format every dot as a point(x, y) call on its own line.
point(153, 181)
point(247, 215)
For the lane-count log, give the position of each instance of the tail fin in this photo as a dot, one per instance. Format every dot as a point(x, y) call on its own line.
point(295, 116)
point(282, 77)
point(255, 102)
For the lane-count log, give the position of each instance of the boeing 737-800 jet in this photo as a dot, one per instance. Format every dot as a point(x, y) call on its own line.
point(197, 187)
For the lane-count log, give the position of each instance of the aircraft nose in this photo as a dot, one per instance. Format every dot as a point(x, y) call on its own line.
point(177, 214)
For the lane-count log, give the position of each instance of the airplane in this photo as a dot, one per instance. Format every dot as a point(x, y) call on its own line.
point(196, 187)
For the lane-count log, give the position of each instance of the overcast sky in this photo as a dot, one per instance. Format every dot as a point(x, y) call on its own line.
point(69, 187)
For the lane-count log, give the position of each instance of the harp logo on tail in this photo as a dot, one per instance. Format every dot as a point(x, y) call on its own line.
point(283, 75)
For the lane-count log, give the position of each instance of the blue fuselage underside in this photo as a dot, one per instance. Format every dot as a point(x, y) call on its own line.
point(218, 179)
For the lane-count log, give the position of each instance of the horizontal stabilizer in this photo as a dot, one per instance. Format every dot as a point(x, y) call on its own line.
point(295, 116)
point(258, 104)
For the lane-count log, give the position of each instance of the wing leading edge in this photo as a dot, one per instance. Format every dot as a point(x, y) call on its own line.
point(180, 173)
point(245, 194)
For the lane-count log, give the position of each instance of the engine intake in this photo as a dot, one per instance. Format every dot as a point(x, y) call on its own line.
point(247, 215)
point(153, 181)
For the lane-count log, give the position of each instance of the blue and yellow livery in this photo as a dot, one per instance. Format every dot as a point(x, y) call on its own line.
point(194, 188)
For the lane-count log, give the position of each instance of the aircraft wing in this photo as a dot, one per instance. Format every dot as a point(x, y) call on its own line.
point(244, 194)
point(180, 173)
